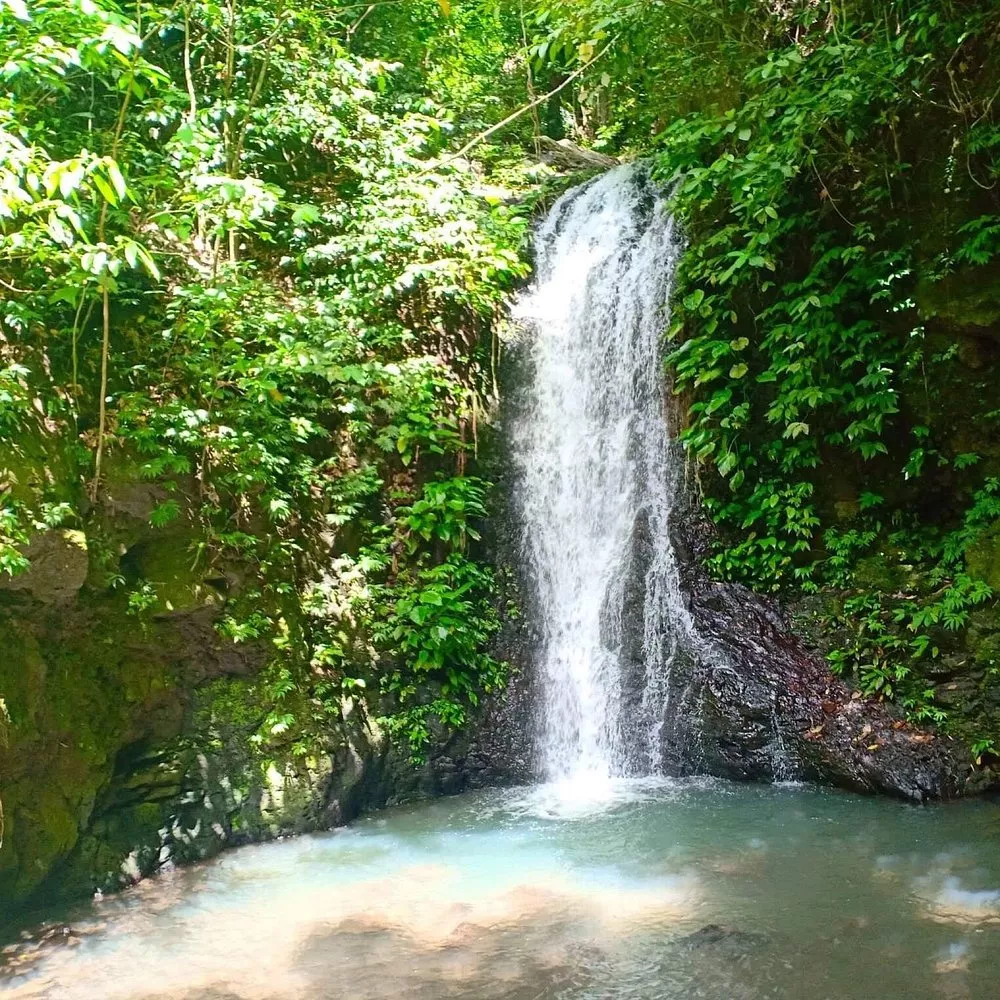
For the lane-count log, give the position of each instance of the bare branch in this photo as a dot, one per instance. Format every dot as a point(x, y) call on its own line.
point(475, 141)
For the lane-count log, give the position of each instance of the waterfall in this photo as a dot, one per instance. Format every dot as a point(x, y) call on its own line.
point(597, 477)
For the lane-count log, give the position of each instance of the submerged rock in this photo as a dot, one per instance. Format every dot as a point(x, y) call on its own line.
point(731, 937)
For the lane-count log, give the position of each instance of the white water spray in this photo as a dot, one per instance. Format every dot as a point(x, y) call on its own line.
point(597, 478)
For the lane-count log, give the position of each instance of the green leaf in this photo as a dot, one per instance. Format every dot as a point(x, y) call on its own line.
point(163, 514)
point(105, 188)
point(148, 263)
point(305, 214)
point(694, 300)
point(116, 178)
point(68, 293)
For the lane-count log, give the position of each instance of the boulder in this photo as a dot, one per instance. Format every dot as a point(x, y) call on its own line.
point(58, 569)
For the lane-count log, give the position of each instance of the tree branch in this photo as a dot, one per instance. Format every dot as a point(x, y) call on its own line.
point(357, 24)
point(475, 141)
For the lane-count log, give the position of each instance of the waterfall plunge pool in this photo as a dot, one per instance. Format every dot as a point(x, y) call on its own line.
point(643, 889)
point(590, 889)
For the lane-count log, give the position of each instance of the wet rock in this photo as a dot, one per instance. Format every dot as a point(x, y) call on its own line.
point(768, 708)
point(712, 935)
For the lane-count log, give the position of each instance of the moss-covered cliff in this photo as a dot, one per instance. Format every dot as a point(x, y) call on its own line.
point(247, 349)
point(132, 737)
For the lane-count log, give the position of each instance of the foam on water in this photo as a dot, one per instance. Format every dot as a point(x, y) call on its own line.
point(583, 796)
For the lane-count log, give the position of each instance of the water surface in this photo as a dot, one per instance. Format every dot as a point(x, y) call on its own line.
point(644, 889)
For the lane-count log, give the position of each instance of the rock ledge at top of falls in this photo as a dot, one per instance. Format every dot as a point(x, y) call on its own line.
point(562, 154)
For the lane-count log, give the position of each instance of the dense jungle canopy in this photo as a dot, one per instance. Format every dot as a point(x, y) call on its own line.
point(255, 259)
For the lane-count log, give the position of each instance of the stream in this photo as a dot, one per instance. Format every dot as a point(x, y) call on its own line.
point(634, 889)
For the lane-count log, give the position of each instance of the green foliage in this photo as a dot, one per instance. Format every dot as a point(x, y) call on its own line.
point(12, 537)
point(142, 600)
point(236, 258)
point(836, 169)
point(444, 512)
point(419, 610)
point(435, 628)
point(800, 327)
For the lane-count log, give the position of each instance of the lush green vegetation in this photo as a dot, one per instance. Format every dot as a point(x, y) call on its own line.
point(238, 264)
point(241, 262)
point(838, 170)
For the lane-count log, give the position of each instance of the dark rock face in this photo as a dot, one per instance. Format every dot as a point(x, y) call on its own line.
point(498, 747)
point(770, 710)
point(752, 702)
point(496, 750)
point(760, 705)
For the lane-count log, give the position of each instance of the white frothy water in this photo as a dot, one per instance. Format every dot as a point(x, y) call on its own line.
point(597, 479)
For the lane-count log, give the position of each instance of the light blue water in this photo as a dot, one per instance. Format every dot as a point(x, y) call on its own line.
point(515, 895)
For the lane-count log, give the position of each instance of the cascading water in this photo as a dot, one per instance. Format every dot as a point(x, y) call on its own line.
point(597, 477)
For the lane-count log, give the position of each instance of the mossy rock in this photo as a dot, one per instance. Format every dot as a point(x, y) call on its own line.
point(45, 810)
point(76, 691)
point(119, 848)
point(168, 561)
point(879, 573)
point(986, 652)
point(58, 567)
point(967, 300)
point(982, 557)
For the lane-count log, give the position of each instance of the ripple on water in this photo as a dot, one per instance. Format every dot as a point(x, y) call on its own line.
point(650, 889)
